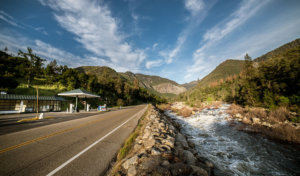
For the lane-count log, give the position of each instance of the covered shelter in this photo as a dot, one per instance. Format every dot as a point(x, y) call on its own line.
point(79, 93)
point(12, 103)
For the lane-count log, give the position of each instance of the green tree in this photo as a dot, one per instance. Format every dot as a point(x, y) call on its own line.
point(35, 65)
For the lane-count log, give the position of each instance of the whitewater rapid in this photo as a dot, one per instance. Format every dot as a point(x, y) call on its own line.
point(236, 152)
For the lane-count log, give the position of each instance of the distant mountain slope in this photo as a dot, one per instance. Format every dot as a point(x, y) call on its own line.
point(227, 68)
point(190, 85)
point(155, 84)
point(279, 51)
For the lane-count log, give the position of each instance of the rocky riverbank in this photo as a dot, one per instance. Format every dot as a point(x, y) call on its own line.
point(160, 149)
point(279, 124)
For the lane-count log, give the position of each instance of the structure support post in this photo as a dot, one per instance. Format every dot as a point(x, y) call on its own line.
point(85, 108)
point(76, 103)
point(37, 102)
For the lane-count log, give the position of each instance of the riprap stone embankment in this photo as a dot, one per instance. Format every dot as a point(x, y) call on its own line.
point(160, 149)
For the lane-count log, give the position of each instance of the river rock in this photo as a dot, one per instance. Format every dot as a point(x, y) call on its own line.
point(132, 171)
point(199, 171)
point(169, 143)
point(188, 157)
point(165, 163)
point(181, 169)
point(255, 120)
point(238, 115)
point(130, 162)
point(155, 151)
point(150, 142)
point(160, 171)
point(246, 120)
point(180, 138)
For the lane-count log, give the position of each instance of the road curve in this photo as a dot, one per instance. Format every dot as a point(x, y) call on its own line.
point(83, 146)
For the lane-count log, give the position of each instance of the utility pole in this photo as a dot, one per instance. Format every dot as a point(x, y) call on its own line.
point(37, 102)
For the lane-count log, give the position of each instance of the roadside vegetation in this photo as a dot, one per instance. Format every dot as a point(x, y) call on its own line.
point(127, 146)
point(21, 74)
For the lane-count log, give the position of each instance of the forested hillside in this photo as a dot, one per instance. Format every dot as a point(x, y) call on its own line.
point(270, 83)
point(154, 84)
point(228, 68)
point(20, 74)
point(279, 51)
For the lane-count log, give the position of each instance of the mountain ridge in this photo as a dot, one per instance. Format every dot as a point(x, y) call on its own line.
point(155, 84)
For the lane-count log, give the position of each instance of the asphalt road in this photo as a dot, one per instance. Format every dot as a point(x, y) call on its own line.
point(83, 146)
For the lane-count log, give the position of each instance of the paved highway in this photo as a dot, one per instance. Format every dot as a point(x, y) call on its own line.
point(82, 146)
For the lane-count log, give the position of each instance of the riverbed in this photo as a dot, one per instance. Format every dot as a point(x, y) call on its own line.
point(235, 152)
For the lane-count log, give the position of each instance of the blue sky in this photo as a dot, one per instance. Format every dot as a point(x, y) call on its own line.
point(182, 40)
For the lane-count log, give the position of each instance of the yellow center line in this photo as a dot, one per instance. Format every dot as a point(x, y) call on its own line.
point(47, 136)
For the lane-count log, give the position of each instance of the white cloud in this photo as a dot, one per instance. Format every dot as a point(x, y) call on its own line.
point(97, 31)
point(154, 63)
point(246, 10)
point(194, 6)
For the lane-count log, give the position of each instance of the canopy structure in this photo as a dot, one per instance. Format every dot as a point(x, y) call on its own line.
point(78, 93)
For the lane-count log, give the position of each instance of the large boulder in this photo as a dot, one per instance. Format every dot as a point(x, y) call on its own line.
point(180, 138)
point(188, 157)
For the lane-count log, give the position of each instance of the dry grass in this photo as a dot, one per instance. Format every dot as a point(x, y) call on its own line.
point(280, 130)
point(185, 112)
point(258, 113)
point(217, 104)
point(164, 107)
point(279, 115)
point(283, 132)
point(235, 109)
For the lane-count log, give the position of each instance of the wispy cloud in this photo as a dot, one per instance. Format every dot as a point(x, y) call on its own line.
point(194, 6)
point(154, 46)
point(9, 19)
point(154, 63)
point(12, 21)
point(198, 11)
point(97, 31)
point(245, 11)
point(15, 42)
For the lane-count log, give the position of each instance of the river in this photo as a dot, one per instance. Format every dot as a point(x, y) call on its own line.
point(235, 152)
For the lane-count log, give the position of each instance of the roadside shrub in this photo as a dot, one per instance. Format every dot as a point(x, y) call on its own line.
point(120, 102)
point(284, 101)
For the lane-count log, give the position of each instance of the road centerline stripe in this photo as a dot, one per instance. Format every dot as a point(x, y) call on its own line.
point(47, 136)
point(92, 145)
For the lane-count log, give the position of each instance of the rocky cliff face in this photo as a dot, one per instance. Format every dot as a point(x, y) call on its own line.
point(160, 149)
point(169, 88)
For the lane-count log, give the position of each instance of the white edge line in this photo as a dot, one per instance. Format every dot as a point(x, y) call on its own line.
point(90, 146)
